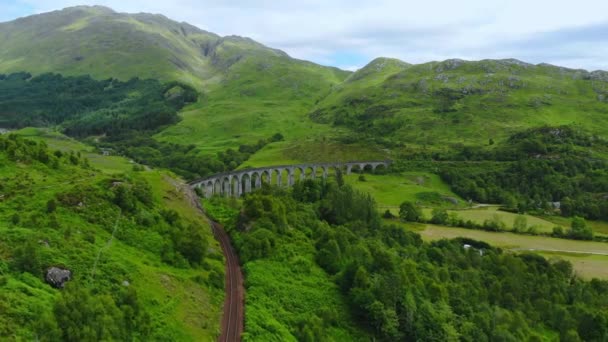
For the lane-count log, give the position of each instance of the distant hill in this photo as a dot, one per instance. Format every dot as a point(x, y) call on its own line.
point(103, 43)
point(457, 101)
point(250, 92)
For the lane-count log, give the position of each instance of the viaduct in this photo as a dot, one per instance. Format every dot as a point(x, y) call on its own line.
point(235, 183)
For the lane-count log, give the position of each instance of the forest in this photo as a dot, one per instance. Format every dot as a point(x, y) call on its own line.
point(399, 287)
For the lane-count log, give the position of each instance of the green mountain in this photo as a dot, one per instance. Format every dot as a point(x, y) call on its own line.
point(103, 43)
point(441, 103)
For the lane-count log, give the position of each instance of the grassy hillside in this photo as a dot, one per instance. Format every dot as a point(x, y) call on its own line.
point(103, 43)
point(127, 239)
point(260, 96)
point(439, 104)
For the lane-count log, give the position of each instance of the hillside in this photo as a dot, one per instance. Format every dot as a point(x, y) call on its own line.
point(439, 104)
point(102, 43)
point(143, 263)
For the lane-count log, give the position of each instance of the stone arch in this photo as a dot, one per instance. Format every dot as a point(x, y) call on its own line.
point(368, 168)
point(332, 170)
point(278, 177)
point(246, 183)
point(299, 173)
point(226, 183)
point(380, 168)
point(266, 176)
point(310, 172)
point(256, 180)
point(209, 189)
point(355, 168)
point(217, 187)
point(235, 186)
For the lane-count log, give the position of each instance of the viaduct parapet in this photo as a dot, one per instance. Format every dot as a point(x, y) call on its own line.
point(236, 183)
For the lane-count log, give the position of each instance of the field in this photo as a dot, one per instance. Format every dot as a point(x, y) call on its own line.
point(58, 141)
point(481, 214)
point(590, 259)
point(392, 189)
point(318, 150)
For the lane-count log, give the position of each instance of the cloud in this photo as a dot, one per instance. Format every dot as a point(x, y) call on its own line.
point(551, 31)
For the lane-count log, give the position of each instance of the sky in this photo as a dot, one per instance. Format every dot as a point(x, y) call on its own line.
point(350, 33)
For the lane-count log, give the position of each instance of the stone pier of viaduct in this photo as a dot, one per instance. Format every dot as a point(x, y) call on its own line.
point(235, 183)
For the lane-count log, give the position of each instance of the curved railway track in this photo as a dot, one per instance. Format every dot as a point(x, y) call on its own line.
point(232, 320)
point(234, 308)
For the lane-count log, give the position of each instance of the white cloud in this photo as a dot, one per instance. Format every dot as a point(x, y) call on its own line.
point(414, 31)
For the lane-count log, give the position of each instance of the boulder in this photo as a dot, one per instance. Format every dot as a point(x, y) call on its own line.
point(57, 277)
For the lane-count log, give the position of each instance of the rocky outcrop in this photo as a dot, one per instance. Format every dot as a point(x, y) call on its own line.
point(57, 277)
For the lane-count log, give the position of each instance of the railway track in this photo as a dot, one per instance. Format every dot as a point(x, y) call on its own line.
point(234, 307)
point(232, 320)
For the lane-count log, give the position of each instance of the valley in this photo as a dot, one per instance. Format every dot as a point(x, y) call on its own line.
point(491, 222)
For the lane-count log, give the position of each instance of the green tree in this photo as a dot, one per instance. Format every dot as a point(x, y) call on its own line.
point(409, 212)
point(579, 229)
point(439, 216)
point(520, 224)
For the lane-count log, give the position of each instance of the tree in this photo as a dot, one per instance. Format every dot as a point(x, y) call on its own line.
point(339, 177)
point(439, 216)
point(579, 229)
point(409, 212)
point(388, 215)
point(520, 224)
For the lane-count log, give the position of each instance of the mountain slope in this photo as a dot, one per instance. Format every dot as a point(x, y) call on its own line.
point(455, 101)
point(103, 43)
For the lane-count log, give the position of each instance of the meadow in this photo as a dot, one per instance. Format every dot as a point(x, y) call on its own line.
point(589, 259)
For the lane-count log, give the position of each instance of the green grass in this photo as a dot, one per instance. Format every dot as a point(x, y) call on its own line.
point(599, 227)
point(587, 266)
point(479, 215)
point(318, 150)
point(590, 259)
point(491, 99)
point(391, 190)
point(58, 141)
point(181, 304)
point(262, 95)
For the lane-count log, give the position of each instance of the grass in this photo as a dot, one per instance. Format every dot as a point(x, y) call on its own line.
point(479, 215)
point(318, 150)
point(391, 190)
point(58, 141)
point(181, 304)
point(590, 259)
point(493, 99)
point(262, 95)
point(586, 266)
point(599, 227)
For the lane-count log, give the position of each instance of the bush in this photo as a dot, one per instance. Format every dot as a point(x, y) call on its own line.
point(388, 215)
point(51, 206)
point(440, 216)
point(409, 212)
point(558, 231)
point(579, 229)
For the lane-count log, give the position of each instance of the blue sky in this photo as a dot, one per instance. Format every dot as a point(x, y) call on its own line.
point(348, 34)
